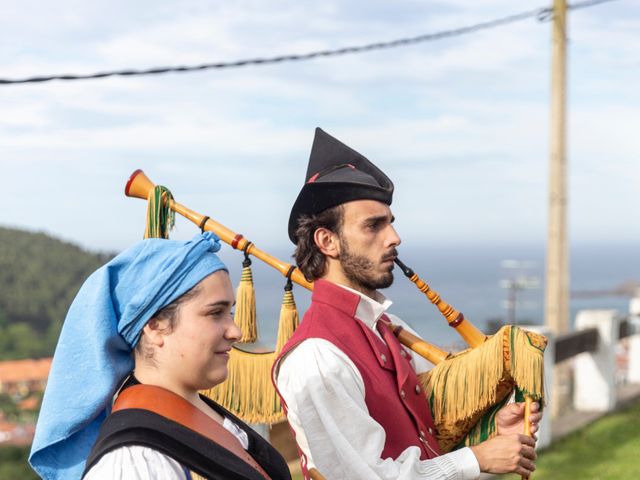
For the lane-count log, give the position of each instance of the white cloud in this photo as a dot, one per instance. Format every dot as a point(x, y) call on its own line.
point(461, 124)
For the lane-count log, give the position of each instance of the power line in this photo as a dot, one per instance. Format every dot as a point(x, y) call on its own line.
point(587, 4)
point(542, 14)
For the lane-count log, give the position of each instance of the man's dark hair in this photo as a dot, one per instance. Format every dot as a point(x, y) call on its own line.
point(310, 260)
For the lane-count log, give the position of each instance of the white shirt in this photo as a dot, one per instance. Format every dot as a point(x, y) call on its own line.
point(325, 396)
point(135, 462)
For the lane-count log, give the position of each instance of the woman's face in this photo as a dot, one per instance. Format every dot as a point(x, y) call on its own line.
point(196, 352)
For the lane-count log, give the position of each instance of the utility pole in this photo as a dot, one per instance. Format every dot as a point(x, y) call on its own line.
point(557, 274)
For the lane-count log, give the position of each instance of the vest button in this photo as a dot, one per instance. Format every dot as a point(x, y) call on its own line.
point(418, 389)
point(402, 394)
point(430, 431)
point(383, 357)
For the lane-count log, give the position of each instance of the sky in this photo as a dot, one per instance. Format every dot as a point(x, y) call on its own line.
point(461, 125)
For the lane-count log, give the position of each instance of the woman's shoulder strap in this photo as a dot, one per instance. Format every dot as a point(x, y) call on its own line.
point(145, 428)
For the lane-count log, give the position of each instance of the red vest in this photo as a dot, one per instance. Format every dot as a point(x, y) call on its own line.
point(393, 394)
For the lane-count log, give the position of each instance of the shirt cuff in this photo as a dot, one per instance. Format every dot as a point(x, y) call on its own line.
point(466, 462)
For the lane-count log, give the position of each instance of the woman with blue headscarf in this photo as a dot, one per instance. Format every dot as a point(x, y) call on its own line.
point(154, 322)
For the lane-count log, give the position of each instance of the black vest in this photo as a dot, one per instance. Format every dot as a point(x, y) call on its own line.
point(198, 454)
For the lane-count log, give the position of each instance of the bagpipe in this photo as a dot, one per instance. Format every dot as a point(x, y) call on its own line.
point(465, 390)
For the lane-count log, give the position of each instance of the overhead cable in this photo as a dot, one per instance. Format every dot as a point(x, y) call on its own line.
point(542, 14)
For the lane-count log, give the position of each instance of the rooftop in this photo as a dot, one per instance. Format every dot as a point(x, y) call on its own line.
point(12, 371)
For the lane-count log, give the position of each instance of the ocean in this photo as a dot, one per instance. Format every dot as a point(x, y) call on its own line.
point(469, 278)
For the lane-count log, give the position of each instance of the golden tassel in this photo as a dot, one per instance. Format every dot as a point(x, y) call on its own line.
point(289, 319)
point(245, 314)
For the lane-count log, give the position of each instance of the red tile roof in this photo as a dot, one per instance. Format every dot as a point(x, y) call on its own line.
point(12, 371)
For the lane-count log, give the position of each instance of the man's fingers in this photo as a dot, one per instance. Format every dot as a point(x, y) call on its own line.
point(516, 408)
point(526, 440)
point(524, 471)
point(526, 464)
point(528, 453)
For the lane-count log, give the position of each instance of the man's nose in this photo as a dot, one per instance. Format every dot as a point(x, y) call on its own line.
point(394, 239)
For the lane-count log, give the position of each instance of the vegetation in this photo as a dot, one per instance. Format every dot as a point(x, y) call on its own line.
point(9, 409)
point(605, 450)
point(39, 276)
point(14, 463)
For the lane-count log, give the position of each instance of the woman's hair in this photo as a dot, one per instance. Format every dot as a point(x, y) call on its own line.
point(310, 260)
point(169, 313)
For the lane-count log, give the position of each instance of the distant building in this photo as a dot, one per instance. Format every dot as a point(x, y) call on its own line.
point(20, 378)
point(16, 434)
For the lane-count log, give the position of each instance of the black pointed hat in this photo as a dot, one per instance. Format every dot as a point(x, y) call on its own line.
point(337, 174)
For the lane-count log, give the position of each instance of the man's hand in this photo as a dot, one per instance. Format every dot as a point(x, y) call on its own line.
point(510, 418)
point(507, 454)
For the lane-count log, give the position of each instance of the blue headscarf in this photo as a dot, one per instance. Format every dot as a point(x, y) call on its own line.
point(103, 325)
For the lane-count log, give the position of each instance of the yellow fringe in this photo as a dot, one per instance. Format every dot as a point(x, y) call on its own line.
point(245, 315)
point(248, 391)
point(527, 363)
point(473, 380)
point(467, 382)
point(466, 391)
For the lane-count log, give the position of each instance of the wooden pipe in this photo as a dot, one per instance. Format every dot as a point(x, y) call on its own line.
point(527, 423)
point(456, 319)
point(316, 475)
point(140, 186)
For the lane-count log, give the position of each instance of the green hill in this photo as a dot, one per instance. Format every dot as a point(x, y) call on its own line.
point(605, 450)
point(39, 277)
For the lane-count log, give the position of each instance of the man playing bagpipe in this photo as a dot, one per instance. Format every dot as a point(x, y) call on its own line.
point(351, 390)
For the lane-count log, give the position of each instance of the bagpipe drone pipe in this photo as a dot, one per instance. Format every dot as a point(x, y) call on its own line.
point(465, 389)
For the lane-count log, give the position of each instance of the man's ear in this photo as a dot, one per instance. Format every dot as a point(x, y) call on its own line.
point(327, 241)
point(154, 332)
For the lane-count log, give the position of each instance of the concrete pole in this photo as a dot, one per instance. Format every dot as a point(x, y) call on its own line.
point(557, 274)
point(557, 284)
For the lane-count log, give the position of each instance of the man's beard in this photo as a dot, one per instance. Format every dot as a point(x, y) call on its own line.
point(360, 270)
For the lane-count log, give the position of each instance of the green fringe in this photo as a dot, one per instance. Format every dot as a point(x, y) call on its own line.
point(160, 217)
point(485, 429)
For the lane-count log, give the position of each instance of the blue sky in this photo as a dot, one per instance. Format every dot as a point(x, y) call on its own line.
point(460, 125)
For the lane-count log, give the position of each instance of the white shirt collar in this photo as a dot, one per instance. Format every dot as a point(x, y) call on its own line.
point(370, 310)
